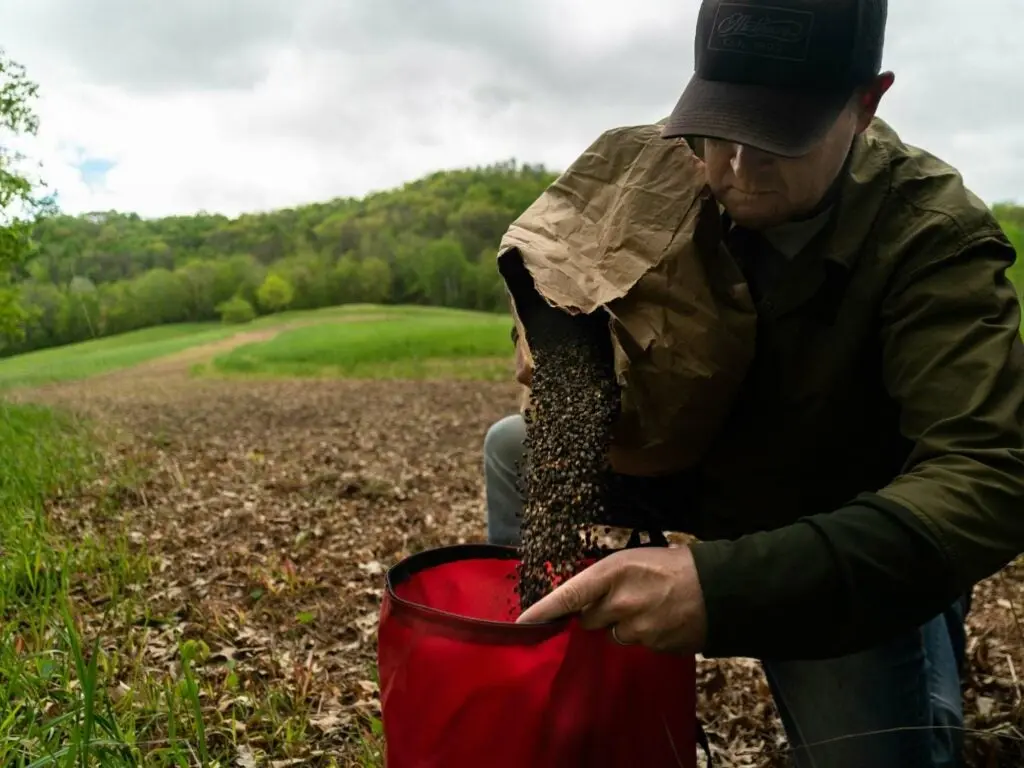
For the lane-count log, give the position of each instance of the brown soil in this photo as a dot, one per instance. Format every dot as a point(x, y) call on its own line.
point(267, 501)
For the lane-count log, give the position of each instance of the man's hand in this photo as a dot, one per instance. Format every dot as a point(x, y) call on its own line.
point(651, 595)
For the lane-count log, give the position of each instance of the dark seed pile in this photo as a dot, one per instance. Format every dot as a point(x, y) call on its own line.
point(574, 403)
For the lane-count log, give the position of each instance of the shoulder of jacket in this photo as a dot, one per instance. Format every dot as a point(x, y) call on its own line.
point(640, 134)
point(926, 192)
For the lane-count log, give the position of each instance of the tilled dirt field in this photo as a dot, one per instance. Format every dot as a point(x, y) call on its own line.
point(270, 511)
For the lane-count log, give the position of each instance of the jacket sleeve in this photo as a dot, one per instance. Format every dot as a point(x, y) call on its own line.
point(843, 581)
point(954, 361)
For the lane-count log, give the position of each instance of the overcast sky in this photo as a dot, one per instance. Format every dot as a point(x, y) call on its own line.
point(173, 106)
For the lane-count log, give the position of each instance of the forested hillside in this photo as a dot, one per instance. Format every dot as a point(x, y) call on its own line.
point(430, 242)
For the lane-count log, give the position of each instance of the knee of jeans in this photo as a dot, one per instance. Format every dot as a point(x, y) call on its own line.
point(503, 443)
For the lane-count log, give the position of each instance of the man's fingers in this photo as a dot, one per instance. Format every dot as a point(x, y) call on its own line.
point(568, 598)
point(603, 613)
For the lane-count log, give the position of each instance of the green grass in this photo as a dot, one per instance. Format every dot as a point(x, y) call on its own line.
point(53, 710)
point(89, 358)
point(436, 344)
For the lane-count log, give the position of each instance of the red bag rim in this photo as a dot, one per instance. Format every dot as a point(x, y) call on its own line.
point(432, 558)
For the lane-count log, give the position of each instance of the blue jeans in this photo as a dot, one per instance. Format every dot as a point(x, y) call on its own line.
point(897, 705)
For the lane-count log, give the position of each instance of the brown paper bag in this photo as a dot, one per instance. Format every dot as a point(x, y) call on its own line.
point(631, 229)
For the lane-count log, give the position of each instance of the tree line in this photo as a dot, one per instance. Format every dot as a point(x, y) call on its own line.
point(431, 242)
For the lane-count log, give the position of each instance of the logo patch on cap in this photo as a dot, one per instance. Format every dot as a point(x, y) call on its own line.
point(758, 30)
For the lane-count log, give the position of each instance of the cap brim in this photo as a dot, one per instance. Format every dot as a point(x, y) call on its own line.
point(784, 122)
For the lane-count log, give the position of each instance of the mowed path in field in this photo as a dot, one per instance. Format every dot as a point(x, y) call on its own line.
point(270, 510)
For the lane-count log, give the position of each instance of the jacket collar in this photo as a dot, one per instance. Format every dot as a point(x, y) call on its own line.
point(826, 261)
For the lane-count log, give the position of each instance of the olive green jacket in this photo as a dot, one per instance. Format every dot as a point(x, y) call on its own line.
point(873, 467)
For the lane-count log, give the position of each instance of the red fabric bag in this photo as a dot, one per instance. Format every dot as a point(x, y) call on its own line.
point(463, 686)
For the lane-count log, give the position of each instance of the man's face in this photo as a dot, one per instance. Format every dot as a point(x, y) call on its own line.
point(760, 190)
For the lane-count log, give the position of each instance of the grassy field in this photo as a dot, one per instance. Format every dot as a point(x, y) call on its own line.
point(410, 346)
point(91, 358)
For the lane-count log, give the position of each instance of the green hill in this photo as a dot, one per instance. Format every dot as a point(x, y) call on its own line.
point(430, 242)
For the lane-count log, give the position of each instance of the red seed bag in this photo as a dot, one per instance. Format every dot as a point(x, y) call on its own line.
point(463, 686)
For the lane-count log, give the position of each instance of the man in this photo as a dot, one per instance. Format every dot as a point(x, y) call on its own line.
point(872, 469)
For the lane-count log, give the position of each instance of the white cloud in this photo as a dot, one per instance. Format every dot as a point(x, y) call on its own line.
point(232, 106)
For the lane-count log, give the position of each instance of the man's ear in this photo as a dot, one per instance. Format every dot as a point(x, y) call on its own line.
point(870, 97)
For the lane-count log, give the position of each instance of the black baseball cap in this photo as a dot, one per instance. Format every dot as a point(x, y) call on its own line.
point(776, 74)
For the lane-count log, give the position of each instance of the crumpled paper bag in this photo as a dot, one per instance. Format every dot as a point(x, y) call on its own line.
point(630, 229)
